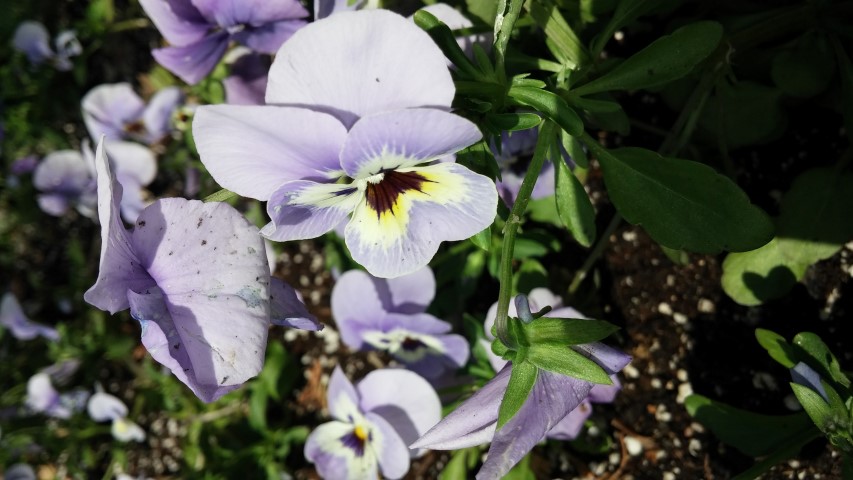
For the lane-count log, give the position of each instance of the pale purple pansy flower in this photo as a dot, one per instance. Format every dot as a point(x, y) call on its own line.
point(196, 278)
point(803, 374)
point(116, 111)
point(43, 398)
point(516, 150)
point(373, 423)
point(13, 318)
point(357, 117)
point(19, 471)
point(199, 31)
point(247, 80)
point(390, 315)
point(33, 40)
point(67, 178)
point(553, 397)
point(103, 407)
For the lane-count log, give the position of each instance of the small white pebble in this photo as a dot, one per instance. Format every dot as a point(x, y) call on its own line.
point(684, 391)
point(614, 458)
point(794, 463)
point(694, 447)
point(593, 431)
point(791, 403)
point(630, 371)
point(670, 280)
point(679, 318)
point(664, 308)
point(668, 476)
point(706, 306)
point(629, 236)
point(656, 383)
point(633, 445)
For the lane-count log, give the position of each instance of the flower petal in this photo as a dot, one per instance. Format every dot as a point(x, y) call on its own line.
point(305, 209)
point(334, 459)
point(552, 398)
point(398, 229)
point(607, 357)
point(103, 407)
point(371, 61)
point(411, 293)
point(120, 268)
point(248, 80)
point(40, 393)
point(32, 39)
point(471, 423)
point(108, 108)
point(325, 8)
point(64, 172)
point(13, 318)
point(287, 310)
point(253, 150)
point(132, 161)
point(124, 430)
point(158, 114)
point(192, 62)
point(179, 21)
point(229, 13)
point(803, 374)
point(269, 37)
point(571, 425)
point(342, 398)
point(356, 306)
point(390, 450)
point(403, 138)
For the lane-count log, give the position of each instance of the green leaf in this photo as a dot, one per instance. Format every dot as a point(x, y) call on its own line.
point(814, 405)
point(483, 239)
point(443, 37)
point(752, 433)
point(566, 43)
point(778, 348)
point(806, 68)
point(521, 382)
point(258, 409)
point(565, 361)
point(457, 467)
point(567, 331)
point(593, 105)
point(220, 196)
point(811, 345)
point(574, 147)
point(549, 104)
point(754, 277)
point(746, 113)
point(573, 204)
point(514, 121)
point(682, 204)
point(668, 58)
point(530, 274)
point(479, 158)
point(521, 471)
point(626, 12)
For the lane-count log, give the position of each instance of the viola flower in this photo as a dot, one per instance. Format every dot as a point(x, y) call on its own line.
point(116, 111)
point(355, 124)
point(67, 179)
point(803, 374)
point(199, 31)
point(553, 397)
point(12, 317)
point(247, 81)
point(373, 423)
point(42, 397)
point(570, 426)
point(513, 158)
point(390, 315)
point(103, 407)
point(20, 471)
point(33, 40)
point(196, 278)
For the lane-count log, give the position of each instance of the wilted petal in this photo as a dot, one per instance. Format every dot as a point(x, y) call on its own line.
point(254, 150)
point(356, 306)
point(473, 422)
point(552, 398)
point(335, 459)
point(802, 374)
point(158, 114)
point(287, 310)
point(124, 430)
point(399, 227)
point(404, 399)
point(269, 37)
point(109, 108)
point(571, 425)
point(390, 450)
point(120, 269)
point(32, 39)
point(104, 407)
point(342, 397)
point(179, 21)
point(404, 138)
point(13, 318)
point(305, 209)
point(192, 62)
point(371, 61)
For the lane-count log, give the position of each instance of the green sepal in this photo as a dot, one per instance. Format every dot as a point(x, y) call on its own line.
point(551, 105)
point(443, 37)
point(501, 350)
point(521, 382)
point(567, 331)
point(573, 204)
point(565, 361)
point(823, 359)
point(666, 59)
point(483, 239)
point(220, 196)
point(514, 121)
point(815, 406)
point(778, 348)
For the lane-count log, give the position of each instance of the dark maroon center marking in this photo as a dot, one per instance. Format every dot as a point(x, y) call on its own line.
point(137, 127)
point(383, 195)
point(411, 344)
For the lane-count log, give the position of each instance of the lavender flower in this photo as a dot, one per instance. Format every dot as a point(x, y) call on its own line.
point(247, 81)
point(116, 111)
point(553, 397)
point(23, 165)
point(32, 39)
point(372, 425)
point(200, 30)
point(19, 471)
point(357, 118)
point(103, 407)
point(196, 278)
point(43, 398)
point(13, 318)
point(803, 374)
point(390, 315)
point(516, 148)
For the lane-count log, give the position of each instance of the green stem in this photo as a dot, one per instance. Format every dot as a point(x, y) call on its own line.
point(543, 145)
point(595, 254)
point(131, 24)
point(508, 12)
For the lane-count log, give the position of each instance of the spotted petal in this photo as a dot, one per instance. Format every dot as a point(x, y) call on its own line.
point(370, 61)
point(405, 216)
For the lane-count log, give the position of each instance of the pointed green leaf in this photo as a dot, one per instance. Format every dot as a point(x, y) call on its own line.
point(575, 149)
point(549, 104)
point(682, 204)
point(814, 405)
point(752, 433)
point(754, 277)
point(573, 204)
point(483, 239)
point(514, 121)
point(521, 382)
point(565, 361)
point(746, 113)
point(220, 196)
point(778, 348)
point(668, 58)
point(443, 37)
point(567, 331)
point(626, 12)
point(564, 40)
point(593, 105)
point(811, 345)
